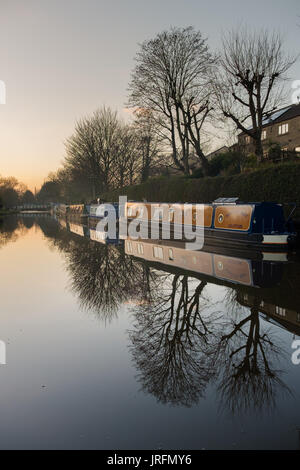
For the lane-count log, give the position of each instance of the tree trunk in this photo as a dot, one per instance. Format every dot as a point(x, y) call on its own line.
point(203, 159)
point(259, 149)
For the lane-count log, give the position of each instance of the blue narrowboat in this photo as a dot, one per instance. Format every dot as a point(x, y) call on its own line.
point(226, 221)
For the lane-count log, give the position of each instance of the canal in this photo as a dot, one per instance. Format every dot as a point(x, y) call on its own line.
point(131, 345)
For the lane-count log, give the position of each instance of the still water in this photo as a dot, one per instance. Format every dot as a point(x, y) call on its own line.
point(144, 346)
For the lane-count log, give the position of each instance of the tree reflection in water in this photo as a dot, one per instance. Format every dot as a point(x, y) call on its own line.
point(250, 378)
point(10, 229)
point(103, 276)
point(180, 344)
point(179, 340)
point(173, 342)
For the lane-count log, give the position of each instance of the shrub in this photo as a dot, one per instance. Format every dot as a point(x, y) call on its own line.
point(274, 152)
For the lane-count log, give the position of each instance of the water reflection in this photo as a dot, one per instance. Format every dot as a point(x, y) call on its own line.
point(173, 342)
point(10, 228)
point(182, 338)
point(250, 378)
point(102, 275)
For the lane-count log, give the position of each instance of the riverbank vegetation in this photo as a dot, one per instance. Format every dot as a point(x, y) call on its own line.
point(278, 183)
point(13, 193)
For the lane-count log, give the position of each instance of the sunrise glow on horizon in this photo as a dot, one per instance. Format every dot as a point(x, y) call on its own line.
point(63, 60)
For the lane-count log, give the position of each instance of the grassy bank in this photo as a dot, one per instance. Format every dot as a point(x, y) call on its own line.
point(7, 212)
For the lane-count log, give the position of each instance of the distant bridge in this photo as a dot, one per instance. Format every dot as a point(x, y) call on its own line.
point(34, 207)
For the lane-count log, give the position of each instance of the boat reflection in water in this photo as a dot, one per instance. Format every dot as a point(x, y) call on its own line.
point(250, 272)
point(199, 317)
point(260, 270)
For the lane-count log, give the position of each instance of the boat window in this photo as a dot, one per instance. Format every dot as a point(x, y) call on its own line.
point(140, 248)
point(140, 211)
point(171, 215)
point(157, 214)
point(158, 252)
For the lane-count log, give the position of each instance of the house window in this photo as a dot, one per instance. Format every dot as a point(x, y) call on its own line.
point(171, 256)
point(263, 135)
point(129, 247)
point(247, 139)
point(280, 311)
point(283, 129)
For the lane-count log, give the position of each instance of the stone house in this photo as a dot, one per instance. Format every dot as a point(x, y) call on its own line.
point(281, 127)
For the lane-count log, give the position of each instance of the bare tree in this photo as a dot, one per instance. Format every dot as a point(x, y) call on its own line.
point(170, 79)
point(125, 166)
point(249, 83)
point(92, 149)
point(147, 142)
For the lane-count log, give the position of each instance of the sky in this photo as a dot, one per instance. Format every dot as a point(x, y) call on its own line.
point(62, 59)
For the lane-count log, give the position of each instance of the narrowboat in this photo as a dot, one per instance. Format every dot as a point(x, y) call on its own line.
point(71, 210)
point(61, 210)
point(98, 211)
point(226, 221)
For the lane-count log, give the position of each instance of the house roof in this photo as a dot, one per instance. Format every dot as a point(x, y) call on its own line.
point(289, 113)
point(280, 115)
point(221, 149)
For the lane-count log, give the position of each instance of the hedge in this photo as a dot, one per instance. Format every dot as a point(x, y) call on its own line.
point(280, 183)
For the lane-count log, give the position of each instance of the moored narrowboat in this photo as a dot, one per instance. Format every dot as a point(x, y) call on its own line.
point(72, 211)
point(226, 221)
point(99, 211)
